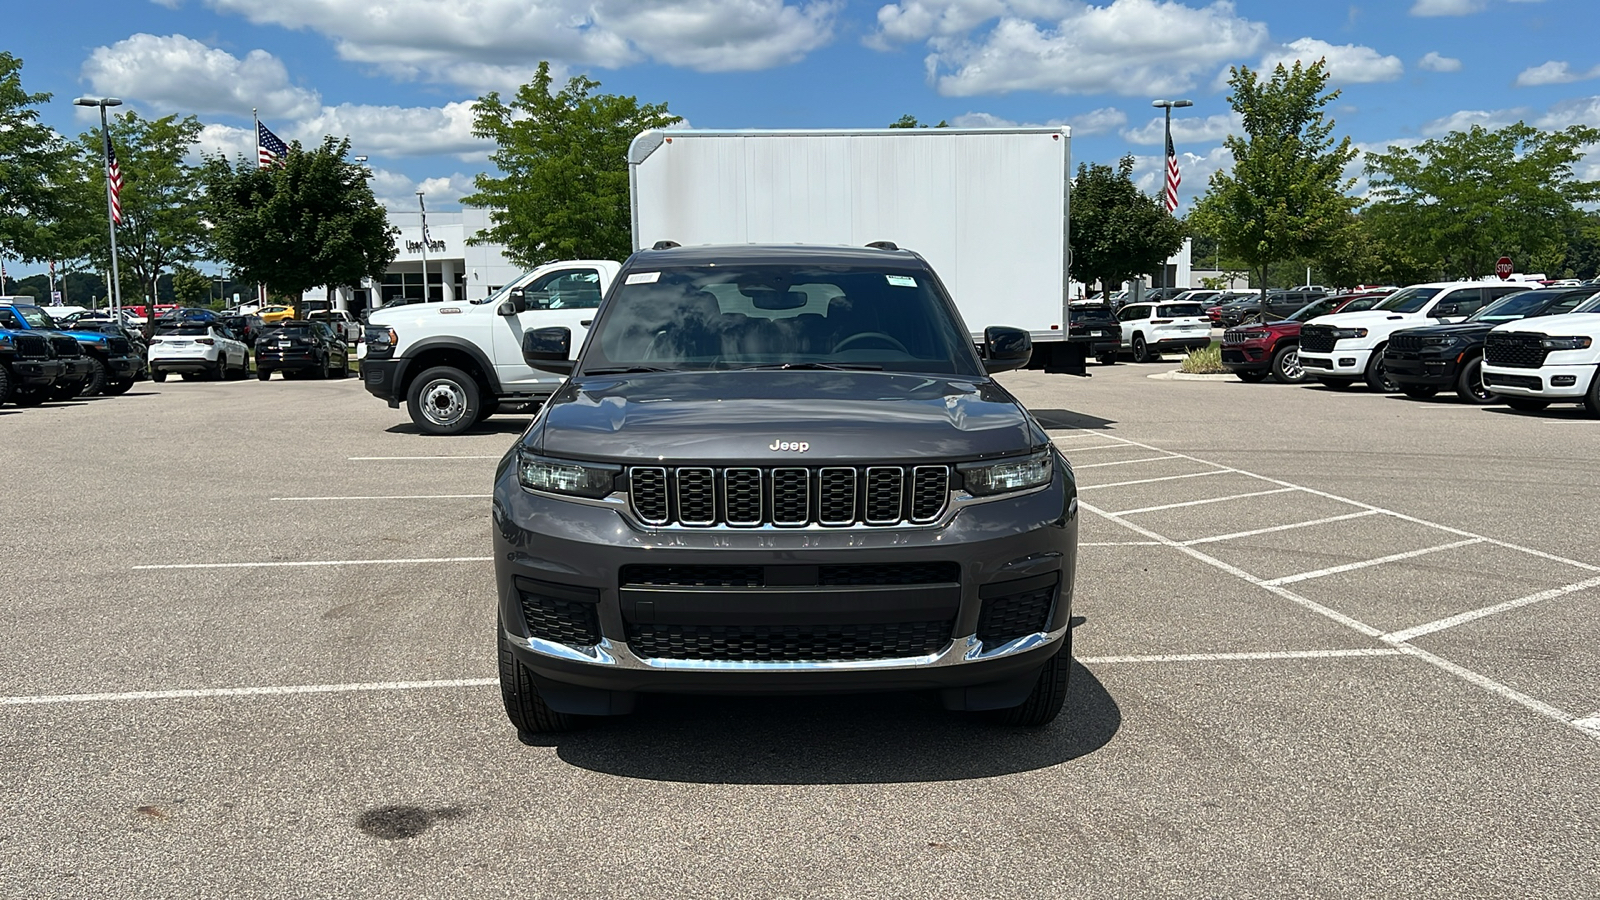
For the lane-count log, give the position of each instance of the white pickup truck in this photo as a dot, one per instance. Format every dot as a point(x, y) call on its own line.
point(1552, 359)
point(455, 363)
point(342, 323)
point(1344, 348)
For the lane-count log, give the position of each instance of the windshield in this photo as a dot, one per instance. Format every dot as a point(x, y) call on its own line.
point(1172, 310)
point(1313, 309)
point(36, 317)
point(1408, 300)
point(1361, 303)
point(1529, 303)
point(696, 318)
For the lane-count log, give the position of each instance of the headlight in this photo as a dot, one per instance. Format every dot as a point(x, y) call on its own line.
point(564, 476)
point(5, 342)
point(1567, 343)
point(1439, 341)
point(1008, 475)
point(1255, 335)
point(1343, 333)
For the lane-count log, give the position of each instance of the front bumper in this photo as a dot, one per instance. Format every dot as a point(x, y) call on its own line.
point(1414, 368)
point(74, 370)
point(35, 372)
point(1544, 383)
point(1253, 356)
point(121, 368)
point(578, 552)
point(1338, 363)
point(383, 378)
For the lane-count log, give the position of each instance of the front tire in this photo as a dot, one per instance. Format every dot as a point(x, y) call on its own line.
point(1377, 376)
point(1286, 368)
point(528, 712)
point(443, 400)
point(1591, 399)
point(96, 382)
point(1469, 383)
point(1049, 692)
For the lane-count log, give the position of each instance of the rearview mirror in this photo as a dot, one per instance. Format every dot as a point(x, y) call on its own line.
point(548, 349)
point(516, 303)
point(1005, 348)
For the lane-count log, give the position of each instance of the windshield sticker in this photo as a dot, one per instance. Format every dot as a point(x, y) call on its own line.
point(901, 281)
point(644, 278)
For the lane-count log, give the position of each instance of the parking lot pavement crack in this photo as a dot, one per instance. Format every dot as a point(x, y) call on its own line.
point(1417, 631)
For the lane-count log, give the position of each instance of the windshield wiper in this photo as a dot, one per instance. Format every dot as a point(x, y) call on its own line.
point(811, 366)
point(625, 370)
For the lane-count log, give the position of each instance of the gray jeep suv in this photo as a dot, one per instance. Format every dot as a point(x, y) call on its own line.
point(782, 469)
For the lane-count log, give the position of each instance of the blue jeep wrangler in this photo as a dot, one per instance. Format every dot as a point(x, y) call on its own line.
point(104, 363)
point(26, 366)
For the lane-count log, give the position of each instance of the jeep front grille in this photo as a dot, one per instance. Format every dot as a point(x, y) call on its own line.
point(64, 346)
point(788, 496)
point(31, 346)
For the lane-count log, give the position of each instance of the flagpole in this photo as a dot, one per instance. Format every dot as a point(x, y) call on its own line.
point(424, 208)
point(261, 289)
point(111, 220)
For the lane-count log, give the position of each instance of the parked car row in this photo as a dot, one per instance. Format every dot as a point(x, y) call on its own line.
point(42, 362)
point(1486, 342)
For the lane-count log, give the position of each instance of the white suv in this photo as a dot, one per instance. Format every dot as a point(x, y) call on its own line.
point(1344, 348)
point(197, 350)
point(1148, 329)
point(1552, 359)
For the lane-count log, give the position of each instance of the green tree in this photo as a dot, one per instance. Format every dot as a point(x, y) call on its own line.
point(1118, 232)
point(33, 160)
point(910, 121)
point(190, 287)
point(1463, 200)
point(1286, 195)
point(562, 191)
point(309, 222)
point(161, 196)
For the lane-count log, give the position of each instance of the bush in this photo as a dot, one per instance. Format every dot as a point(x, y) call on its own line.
point(1204, 362)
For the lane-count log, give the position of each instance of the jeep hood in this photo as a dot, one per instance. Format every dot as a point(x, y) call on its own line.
point(749, 417)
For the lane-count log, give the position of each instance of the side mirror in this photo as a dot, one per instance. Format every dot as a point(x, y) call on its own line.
point(548, 349)
point(517, 303)
point(1005, 348)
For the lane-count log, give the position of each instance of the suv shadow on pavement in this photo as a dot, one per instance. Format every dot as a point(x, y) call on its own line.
point(1066, 418)
point(508, 425)
point(835, 739)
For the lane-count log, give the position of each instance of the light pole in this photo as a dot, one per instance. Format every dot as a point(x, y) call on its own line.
point(1169, 165)
point(111, 216)
point(424, 208)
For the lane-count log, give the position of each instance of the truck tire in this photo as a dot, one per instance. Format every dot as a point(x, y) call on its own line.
point(489, 408)
point(5, 384)
point(1591, 399)
point(443, 400)
point(1049, 692)
point(1469, 383)
point(1377, 377)
point(528, 712)
point(1286, 368)
point(96, 382)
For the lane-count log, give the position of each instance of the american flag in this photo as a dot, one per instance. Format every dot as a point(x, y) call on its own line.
point(271, 147)
point(114, 177)
point(1173, 178)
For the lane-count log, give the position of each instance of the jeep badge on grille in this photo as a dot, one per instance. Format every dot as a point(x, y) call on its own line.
point(796, 446)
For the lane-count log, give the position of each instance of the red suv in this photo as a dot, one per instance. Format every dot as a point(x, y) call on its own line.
point(1254, 350)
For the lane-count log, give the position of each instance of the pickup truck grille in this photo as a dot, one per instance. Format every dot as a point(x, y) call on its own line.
point(64, 346)
point(788, 496)
point(1514, 349)
point(789, 643)
point(30, 346)
point(1317, 338)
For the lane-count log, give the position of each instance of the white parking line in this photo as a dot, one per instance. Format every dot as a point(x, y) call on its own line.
point(280, 690)
point(1350, 567)
point(371, 458)
point(1473, 615)
point(1145, 509)
point(1589, 723)
point(391, 497)
point(1124, 462)
point(1255, 531)
point(320, 562)
point(1233, 657)
point(1495, 687)
point(1091, 447)
point(1086, 487)
point(1120, 544)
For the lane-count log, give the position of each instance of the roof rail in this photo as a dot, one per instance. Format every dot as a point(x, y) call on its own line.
point(665, 245)
point(883, 245)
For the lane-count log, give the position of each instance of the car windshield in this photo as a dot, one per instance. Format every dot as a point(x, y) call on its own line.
point(1408, 300)
point(1360, 304)
point(695, 318)
point(1313, 309)
point(35, 317)
point(1173, 310)
point(1525, 304)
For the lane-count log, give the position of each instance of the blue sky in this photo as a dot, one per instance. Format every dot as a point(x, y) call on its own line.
point(398, 76)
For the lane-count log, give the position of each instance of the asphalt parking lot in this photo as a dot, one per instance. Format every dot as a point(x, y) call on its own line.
point(1336, 644)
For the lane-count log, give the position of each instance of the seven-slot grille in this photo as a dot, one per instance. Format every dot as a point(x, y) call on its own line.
point(118, 346)
point(1405, 343)
point(65, 346)
point(1514, 349)
point(31, 346)
point(788, 496)
point(1317, 338)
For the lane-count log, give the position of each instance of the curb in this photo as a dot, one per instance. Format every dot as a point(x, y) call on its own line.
point(1175, 375)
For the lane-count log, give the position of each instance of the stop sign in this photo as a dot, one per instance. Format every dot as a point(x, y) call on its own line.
point(1502, 268)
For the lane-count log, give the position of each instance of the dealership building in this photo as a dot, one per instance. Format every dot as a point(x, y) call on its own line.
point(455, 269)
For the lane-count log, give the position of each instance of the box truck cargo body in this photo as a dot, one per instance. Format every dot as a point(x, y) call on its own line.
point(986, 207)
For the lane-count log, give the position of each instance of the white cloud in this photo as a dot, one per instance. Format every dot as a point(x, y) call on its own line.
point(226, 140)
point(1447, 7)
point(981, 120)
point(1433, 62)
point(396, 130)
point(179, 74)
point(490, 43)
point(1466, 118)
point(1095, 121)
point(1131, 47)
point(1149, 172)
point(398, 192)
point(1347, 63)
point(1554, 72)
point(1186, 129)
point(1577, 111)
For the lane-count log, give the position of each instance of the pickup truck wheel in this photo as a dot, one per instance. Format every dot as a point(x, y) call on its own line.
point(1469, 383)
point(1286, 367)
point(489, 408)
point(1141, 350)
point(1377, 376)
point(443, 400)
point(1419, 391)
point(528, 712)
point(1251, 376)
point(1523, 404)
point(1049, 692)
point(1591, 399)
point(96, 381)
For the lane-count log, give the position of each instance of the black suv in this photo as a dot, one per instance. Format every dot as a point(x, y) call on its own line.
point(27, 367)
point(1425, 360)
point(301, 349)
point(782, 469)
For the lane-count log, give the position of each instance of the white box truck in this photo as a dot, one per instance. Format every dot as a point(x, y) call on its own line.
point(986, 207)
